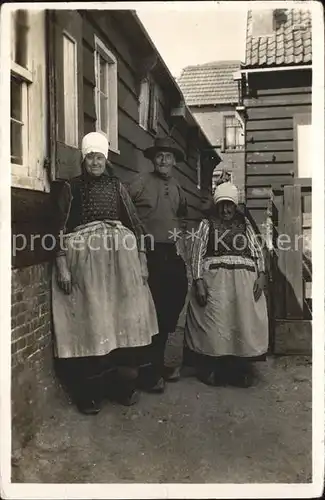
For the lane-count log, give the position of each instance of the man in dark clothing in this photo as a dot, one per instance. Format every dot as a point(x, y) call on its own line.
point(161, 204)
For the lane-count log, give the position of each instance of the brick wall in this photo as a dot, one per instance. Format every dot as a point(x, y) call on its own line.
point(33, 378)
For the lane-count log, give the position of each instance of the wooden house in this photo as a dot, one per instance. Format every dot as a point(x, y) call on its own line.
point(211, 93)
point(276, 94)
point(73, 72)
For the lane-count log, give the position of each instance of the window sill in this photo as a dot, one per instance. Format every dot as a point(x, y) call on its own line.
point(233, 150)
point(32, 183)
point(143, 127)
point(152, 133)
point(21, 72)
point(303, 181)
point(115, 151)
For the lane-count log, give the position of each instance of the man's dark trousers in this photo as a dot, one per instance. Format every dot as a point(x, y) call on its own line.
point(168, 285)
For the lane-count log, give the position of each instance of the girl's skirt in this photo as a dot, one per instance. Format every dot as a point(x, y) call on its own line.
point(231, 323)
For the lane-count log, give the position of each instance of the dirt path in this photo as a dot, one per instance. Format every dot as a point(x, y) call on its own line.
point(192, 433)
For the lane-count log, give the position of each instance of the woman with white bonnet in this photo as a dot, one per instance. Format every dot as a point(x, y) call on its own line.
point(227, 323)
point(103, 311)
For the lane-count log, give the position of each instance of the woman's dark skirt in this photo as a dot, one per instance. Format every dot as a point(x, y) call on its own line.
point(92, 377)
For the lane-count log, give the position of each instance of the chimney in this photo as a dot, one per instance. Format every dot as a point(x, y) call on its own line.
point(263, 22)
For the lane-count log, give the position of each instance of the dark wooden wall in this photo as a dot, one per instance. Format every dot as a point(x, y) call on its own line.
point(32, 212)
point(31, 220)
point(132, 138)
point(271, 104)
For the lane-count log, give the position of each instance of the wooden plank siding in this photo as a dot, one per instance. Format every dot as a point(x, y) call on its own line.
point(133, 139)
point(292, 271)
point(271, 103)
point(292, 265)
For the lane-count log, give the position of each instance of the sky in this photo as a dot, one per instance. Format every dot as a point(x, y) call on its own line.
point(191, 37)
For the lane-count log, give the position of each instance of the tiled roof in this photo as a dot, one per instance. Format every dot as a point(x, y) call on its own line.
point(290, 42)
point(210, 83)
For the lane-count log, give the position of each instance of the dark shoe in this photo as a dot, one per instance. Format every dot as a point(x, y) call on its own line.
point(208, 378)
point(244, 378)
point(150, 380)
point(157, 388)
point(172, 374)
point(244, 381)
point(122, 391)
point(129, 399)
point(88, 407)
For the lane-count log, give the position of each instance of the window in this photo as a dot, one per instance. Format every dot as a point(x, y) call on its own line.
point(303, 145)
point(28, 99)
point(106, 93)
point(149, 105)
point(19, 122)
point(19, 82)
point(144, 104)
point(233, 134)
point(154, 104)
point(70, 91)
point(198, 171)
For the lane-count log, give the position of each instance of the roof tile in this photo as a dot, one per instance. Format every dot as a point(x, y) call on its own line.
point(291, 42)
point(289, 59)
point(279, 59)
point(210, 83)
point(298, 58)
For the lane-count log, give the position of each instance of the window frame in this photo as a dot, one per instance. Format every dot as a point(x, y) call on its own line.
point(226, 149)
point(199, 172)
point(31, 174)
point(25, 77)
point(143, 102)
point(20, 168)
point(152, 112)
point(299, 119)
point(66, 124)
point(153, 107)
point(112, 93)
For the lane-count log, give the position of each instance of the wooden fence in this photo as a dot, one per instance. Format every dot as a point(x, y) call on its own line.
point(291, 270)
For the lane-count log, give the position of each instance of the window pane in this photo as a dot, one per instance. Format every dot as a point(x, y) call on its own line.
point(234, 136)
point(239, 137)
point(103, 112)
point(70, 91)
point(144, 104)
point(21, 29)
point(106, 96)
point(103, 74)
point(230, 121)
point(16, 142)
point(16, 100)
point(230, 137)
point(13, 36)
